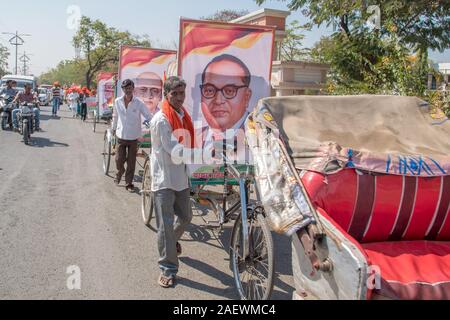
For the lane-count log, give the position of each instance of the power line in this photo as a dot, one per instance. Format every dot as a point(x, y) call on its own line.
point(17, 41)
point(25, 59)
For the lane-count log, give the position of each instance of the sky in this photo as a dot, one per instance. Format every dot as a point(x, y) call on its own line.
point(49, 22)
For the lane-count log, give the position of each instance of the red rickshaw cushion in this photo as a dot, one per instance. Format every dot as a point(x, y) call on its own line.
point(377, 208)
point(412, 270)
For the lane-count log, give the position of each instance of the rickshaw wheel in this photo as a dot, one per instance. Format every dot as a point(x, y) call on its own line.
point(254, 275)
point(106, 154)
point(147, 197)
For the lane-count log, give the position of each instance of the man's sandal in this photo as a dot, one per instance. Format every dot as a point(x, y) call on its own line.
point(165, 282)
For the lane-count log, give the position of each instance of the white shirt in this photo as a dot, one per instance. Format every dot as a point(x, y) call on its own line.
point(165, 173)
point(128, 121)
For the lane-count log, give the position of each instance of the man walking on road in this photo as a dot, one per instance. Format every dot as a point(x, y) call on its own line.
point(127, 126)
point(170, 182)
point(56, 94)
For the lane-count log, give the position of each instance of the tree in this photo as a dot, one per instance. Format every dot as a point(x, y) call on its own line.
point(100, 45)
point(226, 15)
point(370, 64)
point(4, 54)
point(66, 72)
point(292, 46)
point(390, 58)
point(415, 23)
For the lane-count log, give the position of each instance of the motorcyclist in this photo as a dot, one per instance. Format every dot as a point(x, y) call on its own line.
point(26, 97)
point(9, 90)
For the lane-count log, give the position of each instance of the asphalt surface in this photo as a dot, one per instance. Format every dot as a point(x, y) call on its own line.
point(58, 210)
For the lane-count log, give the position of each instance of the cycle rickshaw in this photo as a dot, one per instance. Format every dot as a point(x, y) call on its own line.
point(106, 116)
point(251, 247)
point(362, 184)
point(109, 149)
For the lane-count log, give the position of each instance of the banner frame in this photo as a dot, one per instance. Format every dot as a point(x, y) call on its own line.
point(119, 73)
point(243, 25)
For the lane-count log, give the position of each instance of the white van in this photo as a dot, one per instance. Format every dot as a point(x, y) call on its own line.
point(21, 81)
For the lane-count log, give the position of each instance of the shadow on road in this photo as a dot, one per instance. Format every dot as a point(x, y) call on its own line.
point(226, 279)
point(47, 143)
point(209, 236)
point(44, 117)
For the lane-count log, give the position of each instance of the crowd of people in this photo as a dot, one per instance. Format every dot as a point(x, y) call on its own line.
point(75, 97)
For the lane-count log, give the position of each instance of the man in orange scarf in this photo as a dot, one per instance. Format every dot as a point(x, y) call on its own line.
point(172, 130)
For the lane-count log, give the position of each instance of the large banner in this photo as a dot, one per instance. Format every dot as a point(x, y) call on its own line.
point(105, 92)
point(227, 68)
point(147, 68)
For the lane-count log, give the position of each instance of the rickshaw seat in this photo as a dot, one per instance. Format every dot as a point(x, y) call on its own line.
point(402, 224)
point(412, 270)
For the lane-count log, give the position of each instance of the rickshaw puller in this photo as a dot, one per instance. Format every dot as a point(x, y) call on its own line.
point(127, 120)
point(170, 181)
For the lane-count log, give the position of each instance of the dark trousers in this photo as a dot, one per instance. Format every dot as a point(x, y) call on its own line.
point(83, 111)
point(126, 152)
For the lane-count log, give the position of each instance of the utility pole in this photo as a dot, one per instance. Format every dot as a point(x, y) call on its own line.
point(24, 58)
point(17, 41)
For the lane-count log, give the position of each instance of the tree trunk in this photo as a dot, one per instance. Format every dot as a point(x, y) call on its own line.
point(88, 79)
point(344, 25)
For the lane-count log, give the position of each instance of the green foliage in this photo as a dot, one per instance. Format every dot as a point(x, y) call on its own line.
point(439, 102)
point(292, 46)
point(4, 54)
point(391, 59)
point(226, 15)
point(415, 23)
point(100, 46)
point(66, 72)
point(366, 63)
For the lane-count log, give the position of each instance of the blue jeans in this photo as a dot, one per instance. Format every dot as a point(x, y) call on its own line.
point(37, 115)
point(56, 102)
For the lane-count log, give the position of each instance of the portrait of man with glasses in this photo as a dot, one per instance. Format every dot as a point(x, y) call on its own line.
point(149, 90)
point(226, 93)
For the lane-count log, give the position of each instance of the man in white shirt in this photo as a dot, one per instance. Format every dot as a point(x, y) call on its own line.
point(170, 181)
point(127, 119)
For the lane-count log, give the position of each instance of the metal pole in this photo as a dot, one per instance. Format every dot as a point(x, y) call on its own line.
point(24, 65)
point(17, 47)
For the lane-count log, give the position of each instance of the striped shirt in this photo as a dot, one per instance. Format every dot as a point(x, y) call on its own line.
point(56, 92)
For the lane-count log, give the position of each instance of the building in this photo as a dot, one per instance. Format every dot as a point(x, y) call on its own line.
point(288, 77)
point(437, 84)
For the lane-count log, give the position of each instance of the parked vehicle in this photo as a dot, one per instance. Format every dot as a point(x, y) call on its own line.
point(44, 96)
point(362, 185)
point(21, 81)
point(46, 86)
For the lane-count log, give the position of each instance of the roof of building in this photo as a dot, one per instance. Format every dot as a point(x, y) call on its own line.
point(262, 13)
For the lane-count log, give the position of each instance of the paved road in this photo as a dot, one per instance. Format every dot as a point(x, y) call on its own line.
point(58, 210)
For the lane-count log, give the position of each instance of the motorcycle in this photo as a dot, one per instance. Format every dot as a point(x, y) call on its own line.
point(26, 121)
point(6, 108)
